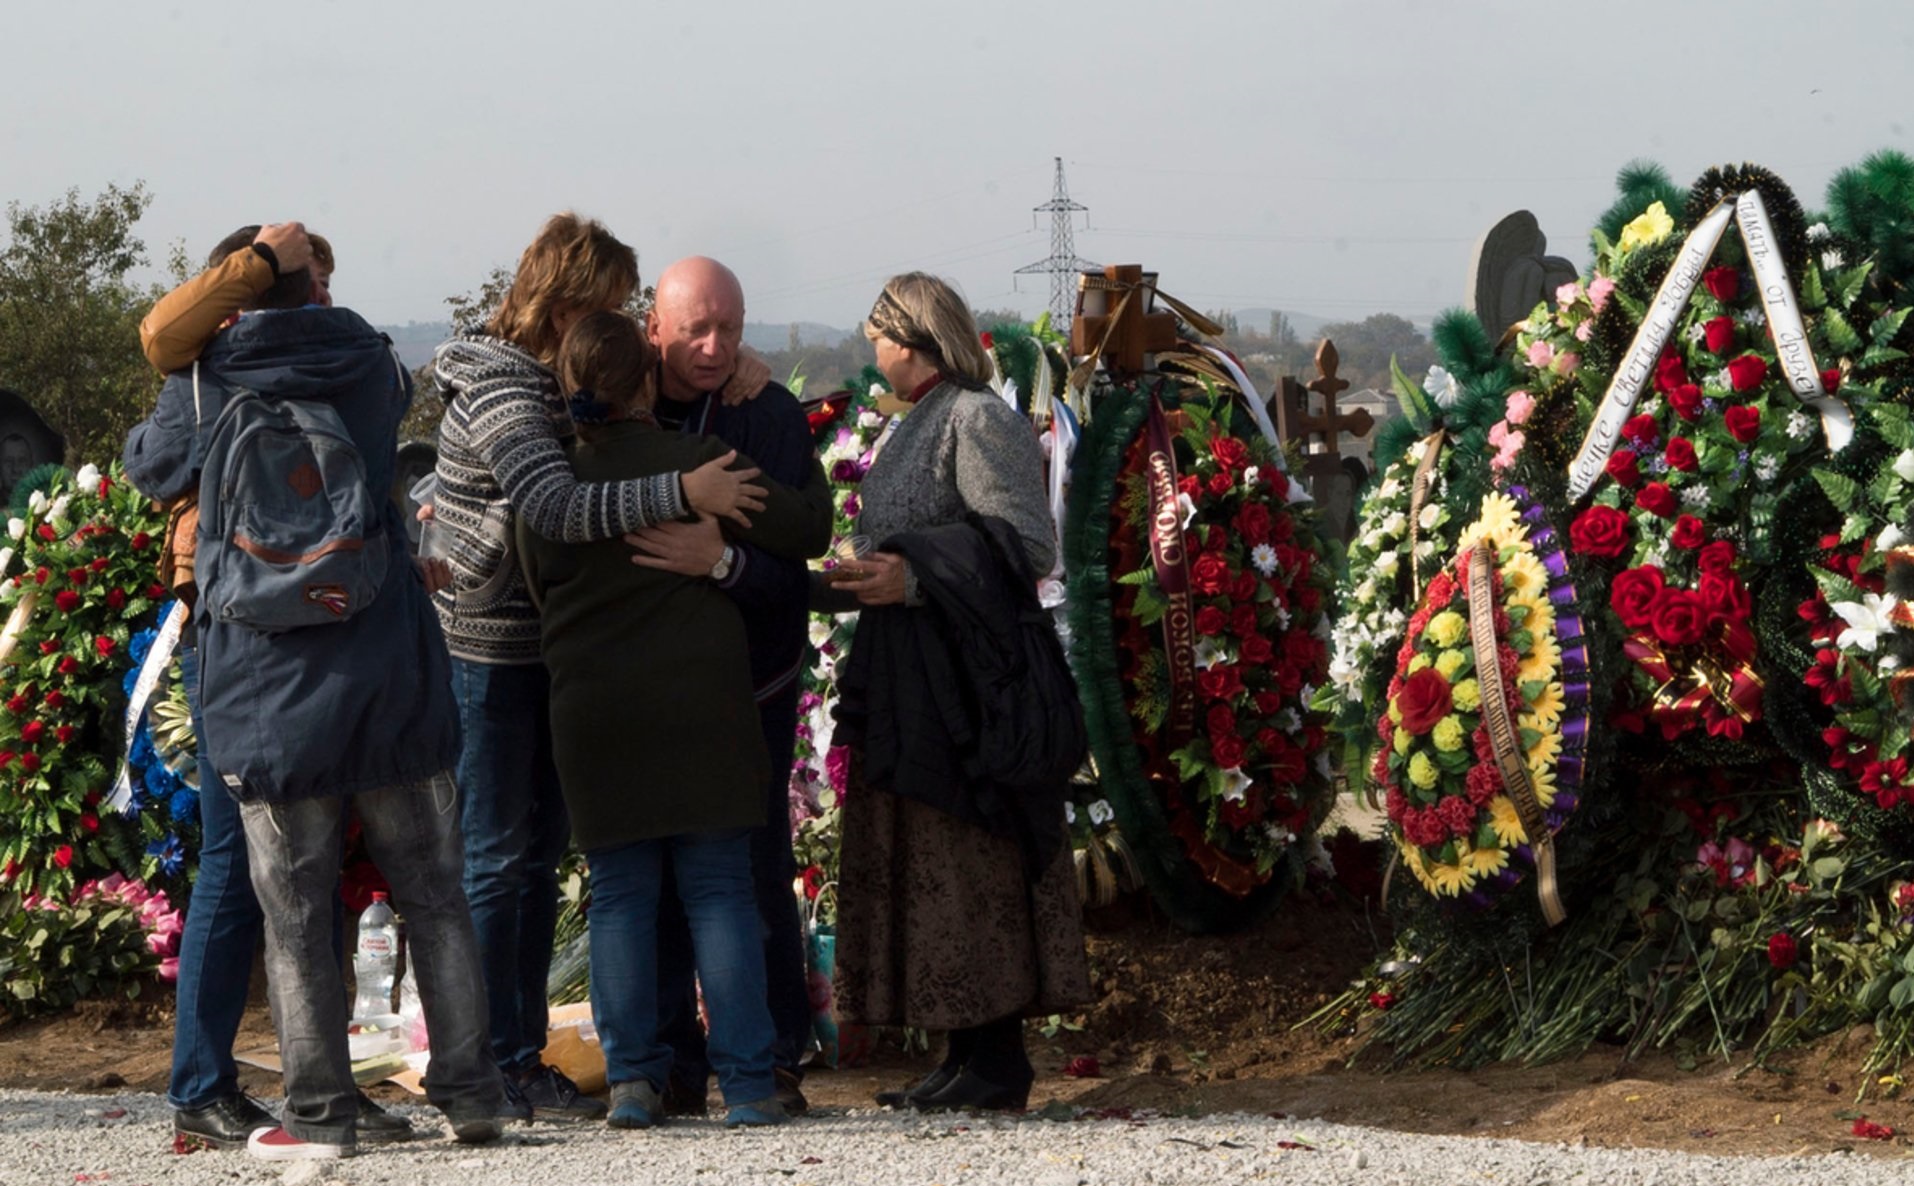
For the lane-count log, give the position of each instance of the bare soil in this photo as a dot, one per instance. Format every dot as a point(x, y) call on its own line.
point(1190, 1025)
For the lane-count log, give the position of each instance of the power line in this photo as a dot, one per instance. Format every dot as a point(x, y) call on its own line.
point(1063, 264)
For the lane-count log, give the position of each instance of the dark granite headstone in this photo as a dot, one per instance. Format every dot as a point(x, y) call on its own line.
point(1511, 272)
point(25, 441)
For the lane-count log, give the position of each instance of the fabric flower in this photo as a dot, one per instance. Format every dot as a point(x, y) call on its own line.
point(1623, 468)
point(1424, 700)
point(1685, 398)
point(1688, 532)
point(1657, 499)
point(1541, 355)
point(1722, 283)
point(1743, 422)
point(1633, 595)
point(1599, 290)
point(1782, 951)
point(1719, 333)
point(1649, 227)
point(1746, 372)
point(1867, 620)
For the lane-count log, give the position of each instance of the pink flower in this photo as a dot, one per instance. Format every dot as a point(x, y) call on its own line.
point(169, 969)
point(1585, 331)
point(1541, 354)
point(1566, 362)
point(1520, 405)
point(1568, 293)
point(1598, 292)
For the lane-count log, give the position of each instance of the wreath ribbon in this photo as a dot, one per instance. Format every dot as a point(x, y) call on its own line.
point(1170, 559)
point(1688, 679)
point(1419, 487)
point(1750, 214)
point(1510, 760)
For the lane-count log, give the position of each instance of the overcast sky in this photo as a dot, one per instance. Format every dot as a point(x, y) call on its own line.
point(1330, 158)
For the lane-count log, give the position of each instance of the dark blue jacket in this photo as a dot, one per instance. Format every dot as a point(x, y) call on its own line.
point(771, 593)
point(327, 710)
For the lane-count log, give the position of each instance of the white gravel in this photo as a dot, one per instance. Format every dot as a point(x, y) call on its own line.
point(126, 1140)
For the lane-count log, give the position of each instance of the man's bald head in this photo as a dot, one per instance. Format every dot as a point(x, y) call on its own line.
point(697, 324)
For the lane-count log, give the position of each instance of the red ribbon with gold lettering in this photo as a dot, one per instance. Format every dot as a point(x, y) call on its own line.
point(1171, 562)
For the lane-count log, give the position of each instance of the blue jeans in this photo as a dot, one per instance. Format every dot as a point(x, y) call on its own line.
point(712, 871)
point(516, 831)
point(412, 834)
point(216, 946)
point(773, 868)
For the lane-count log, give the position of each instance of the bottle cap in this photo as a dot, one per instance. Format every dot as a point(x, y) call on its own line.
point(379, 895)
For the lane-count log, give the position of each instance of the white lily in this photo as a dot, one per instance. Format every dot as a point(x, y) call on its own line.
point(1867, 620)
point(88, 479)
point(1237, 784)
point(1187, 505)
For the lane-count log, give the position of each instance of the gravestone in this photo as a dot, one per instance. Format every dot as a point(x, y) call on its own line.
point(1511, 271)
point(1332, 483)
point(25, 441)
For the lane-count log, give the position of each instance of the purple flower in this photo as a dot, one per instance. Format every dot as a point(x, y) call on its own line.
point(850, 507)
point(845, 471)
point(837, 767)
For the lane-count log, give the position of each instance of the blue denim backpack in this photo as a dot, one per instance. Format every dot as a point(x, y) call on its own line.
point(295, 535)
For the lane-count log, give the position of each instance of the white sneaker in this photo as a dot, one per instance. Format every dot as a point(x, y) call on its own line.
point(276, 1144)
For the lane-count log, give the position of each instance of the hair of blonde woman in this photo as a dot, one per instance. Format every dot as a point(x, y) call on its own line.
point(574, 263)
point(606, 354)
point(927, 315)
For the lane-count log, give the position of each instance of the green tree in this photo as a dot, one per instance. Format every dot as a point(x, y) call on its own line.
point(1365, 348)
point(69, 317)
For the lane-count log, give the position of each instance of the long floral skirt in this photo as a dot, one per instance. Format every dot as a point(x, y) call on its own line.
point(939, 927)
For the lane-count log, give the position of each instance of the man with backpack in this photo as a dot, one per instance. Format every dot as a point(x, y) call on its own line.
point(323, 683)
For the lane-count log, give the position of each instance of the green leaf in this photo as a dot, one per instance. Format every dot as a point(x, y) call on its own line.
point(1884, 327)
point(1876, 356)
point(1414, 401)
point(1841, 490)
point(1842, 340)
point(1848, 283)
point(1826, 869)
point(1814, 296)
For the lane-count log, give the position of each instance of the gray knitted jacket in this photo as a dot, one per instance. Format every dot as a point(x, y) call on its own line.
point(501, 459)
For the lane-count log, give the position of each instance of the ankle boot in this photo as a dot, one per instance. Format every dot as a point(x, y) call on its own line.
point(957, 1047)
point(997, 1076)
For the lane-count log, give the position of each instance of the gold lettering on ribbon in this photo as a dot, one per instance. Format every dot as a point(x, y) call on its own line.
point(1171, 562)
point(1510, 759)
point(1644, 350)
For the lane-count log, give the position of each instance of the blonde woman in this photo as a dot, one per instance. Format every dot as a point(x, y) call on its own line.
point(957, 900)
point(501, 463)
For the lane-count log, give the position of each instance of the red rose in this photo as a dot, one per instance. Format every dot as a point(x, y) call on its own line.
point(1382, 1001)
point(67, 600)
point(1686, 400)
point(116, 598)
point(1210, 620)
point(1257, 650)
point(1633, 595)
point(1269, 703)
point(1747, 372)
point(1657, 499)
point(103, 644)
point(1209, 574)
point(1221, 720)
point(1190, 484)
point(1681, 454)
point(1424, 700)
point(32, 731)
point(1621, 467)
point(17, 703)
point(29, 761)
point(1831, 381)
point(1717, 557)
point(1227, 752)
point(1744, 423)
point(1302, 649)
point(1669, 373)
point(1725, 596)
point(1221, 682)
point(6, 758)
point(69, 665)
point(1782, 951)
point(1229, 452)
point(1723, 283)
point(1242, 621)
point(1640, 429)
point(89, 821)
point(40, 575)
point(1720, 332)
point(63, 734)
point(63, 855)
point(48, 646)
point(1599, 531)
point(99, 564)
point(1220, 483)
point(1253, 523)
point(1679, 618)
point(1688, 532)
point(155, 591)
point(56, 699)
point(45, 531)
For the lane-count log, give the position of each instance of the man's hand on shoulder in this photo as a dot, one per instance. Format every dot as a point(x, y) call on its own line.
point(747, 380)
point(291, 247)
point(688, 549)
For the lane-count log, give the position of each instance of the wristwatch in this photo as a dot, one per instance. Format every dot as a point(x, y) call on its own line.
point(722, 568)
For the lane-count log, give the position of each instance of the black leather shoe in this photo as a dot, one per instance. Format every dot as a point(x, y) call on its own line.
point(971, 1090)
point(913, 1097)
point(790, 1092)
point(224, 1123)
point(377, 1124)
point(555, 1097)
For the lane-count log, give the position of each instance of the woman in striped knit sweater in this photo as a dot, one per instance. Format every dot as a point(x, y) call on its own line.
point(501, 460)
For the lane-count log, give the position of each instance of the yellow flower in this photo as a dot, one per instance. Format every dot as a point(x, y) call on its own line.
point(1486, 862)
point(1447, 734)
point(1446, 628)
point(1466, 695)
point(1450, 880)
point(1541, 613)
point(1546, 750)
point(1500, 523)
point(1506, 822)
point(1541, 661)
point(1450, 662)
point(1423, 772)
point(1523, 574)
point(1542, 778)
point(1402, 740)
point(1648, 228)
point(1412, 860)
point(1546, 709)
point(1418, 662)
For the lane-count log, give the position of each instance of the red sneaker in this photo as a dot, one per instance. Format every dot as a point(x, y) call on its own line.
point(276, 1144)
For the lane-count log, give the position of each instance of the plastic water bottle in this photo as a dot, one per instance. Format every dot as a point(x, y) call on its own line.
point(375, 964)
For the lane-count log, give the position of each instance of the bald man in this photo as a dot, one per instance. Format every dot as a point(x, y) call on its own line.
point(697, 325)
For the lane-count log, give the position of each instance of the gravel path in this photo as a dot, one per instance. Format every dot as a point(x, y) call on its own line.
point(125, 1140)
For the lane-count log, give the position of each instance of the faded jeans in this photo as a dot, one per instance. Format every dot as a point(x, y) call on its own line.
point(412, 833)
point(712, 872)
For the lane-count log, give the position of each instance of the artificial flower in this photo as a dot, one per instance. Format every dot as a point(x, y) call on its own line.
point(1646, 229)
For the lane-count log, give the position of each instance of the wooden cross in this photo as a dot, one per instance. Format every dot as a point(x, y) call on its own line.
point(1317, 433)
point(1138, 330)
